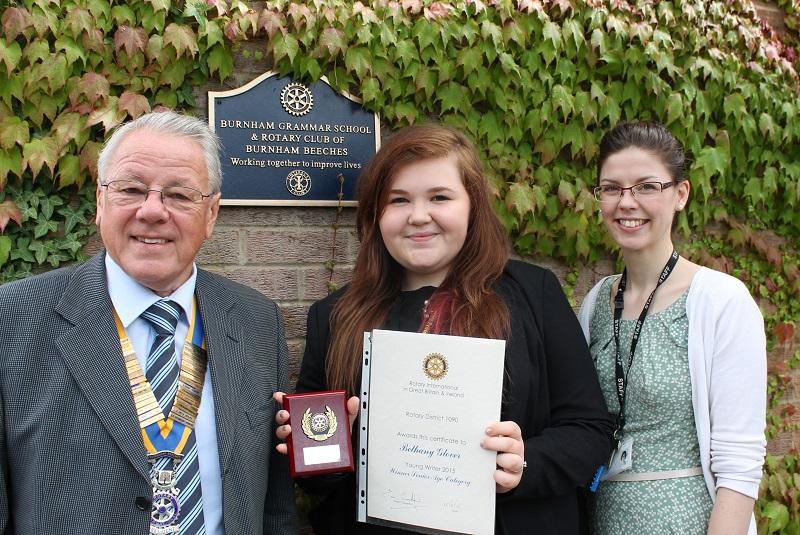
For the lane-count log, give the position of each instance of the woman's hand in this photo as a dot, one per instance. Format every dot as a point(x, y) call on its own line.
point(506, 439)
point(282, 419)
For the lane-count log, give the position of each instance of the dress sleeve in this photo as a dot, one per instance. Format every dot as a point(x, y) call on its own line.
point(312, 369)
point(577, 438)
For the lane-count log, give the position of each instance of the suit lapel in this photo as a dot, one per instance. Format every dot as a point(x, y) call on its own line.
point(92, 353)
point(226, 359)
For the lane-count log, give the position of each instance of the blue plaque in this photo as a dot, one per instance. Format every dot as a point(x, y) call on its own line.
point(285, 143)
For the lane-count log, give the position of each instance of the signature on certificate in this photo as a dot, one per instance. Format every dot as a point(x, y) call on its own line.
point(404, 500)
point(453, 506)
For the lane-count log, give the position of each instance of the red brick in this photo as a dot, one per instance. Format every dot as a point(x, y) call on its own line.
point(307, 246)
point(781, 444)
point(348, 235)
point(771, 12)
point(558, 268)
point(588, 276)
point(294, 318)
point(296, 348)
point(93, 244)
point(280, 216)
point(275, 283)
point(315, 280)
point(793, 391)
point(222, 248)
point(775, 359)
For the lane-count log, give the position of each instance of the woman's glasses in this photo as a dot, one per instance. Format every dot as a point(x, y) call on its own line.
point(641, 191)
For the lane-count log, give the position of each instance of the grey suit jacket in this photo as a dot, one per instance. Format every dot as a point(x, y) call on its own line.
point(71, 454)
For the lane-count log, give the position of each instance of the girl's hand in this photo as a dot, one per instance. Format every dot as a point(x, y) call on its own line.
point(506, 439)
point(282, 419)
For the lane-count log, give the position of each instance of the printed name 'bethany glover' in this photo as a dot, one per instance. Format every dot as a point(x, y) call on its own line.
point(439, 452)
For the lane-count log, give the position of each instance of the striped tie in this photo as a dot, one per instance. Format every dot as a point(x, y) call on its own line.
point(162, 363)
point(190, 497)
point(162, 373)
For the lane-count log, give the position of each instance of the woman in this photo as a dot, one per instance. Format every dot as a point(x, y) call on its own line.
point(431, 242)
point(688, 361)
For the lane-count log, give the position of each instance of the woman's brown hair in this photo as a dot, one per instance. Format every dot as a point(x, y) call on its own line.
point(475, 309)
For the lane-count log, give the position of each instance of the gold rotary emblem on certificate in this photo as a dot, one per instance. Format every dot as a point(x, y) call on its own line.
point(435, 366)
point(319, 426)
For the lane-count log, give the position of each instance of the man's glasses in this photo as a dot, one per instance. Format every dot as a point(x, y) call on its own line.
point(642, 191)
point(132, 193)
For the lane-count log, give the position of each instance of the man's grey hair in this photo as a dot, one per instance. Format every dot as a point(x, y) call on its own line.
point(168, 122)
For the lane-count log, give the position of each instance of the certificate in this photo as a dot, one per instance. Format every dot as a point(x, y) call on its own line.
point(426, 402)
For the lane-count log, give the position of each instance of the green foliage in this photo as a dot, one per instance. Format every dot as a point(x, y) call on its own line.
point(538, 87)
point(69, 72)
point(51, 228)
point(778, 510)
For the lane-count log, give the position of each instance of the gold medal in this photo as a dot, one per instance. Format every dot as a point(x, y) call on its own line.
point(320, 426)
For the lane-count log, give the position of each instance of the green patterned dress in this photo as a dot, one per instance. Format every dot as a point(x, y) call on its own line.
point(660, 419)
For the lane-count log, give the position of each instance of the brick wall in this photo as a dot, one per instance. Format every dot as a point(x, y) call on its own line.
point(282, 252)
point(772, 13)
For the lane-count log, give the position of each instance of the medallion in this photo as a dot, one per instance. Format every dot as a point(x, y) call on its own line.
point(165, 437)
point(166, 508)
point(319, 426)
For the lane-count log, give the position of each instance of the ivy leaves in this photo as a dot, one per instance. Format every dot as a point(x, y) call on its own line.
point(49, 229)
point(8, 211)
point(535, 86)
point(548, 83)
point(104, 63)
point(69, 73)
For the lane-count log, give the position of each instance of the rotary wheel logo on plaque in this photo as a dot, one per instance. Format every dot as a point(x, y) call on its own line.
point(435, 366)
point(297, 99)
point(298, 183)
point(320, 426)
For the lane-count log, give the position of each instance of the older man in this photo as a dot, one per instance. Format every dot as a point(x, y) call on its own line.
point(135, 389)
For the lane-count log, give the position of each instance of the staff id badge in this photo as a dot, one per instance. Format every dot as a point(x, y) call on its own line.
point(621, 458)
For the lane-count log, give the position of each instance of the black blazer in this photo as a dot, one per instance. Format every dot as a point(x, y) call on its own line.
point(550, 390)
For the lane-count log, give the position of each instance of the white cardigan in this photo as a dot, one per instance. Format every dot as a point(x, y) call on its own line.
point(728, 370)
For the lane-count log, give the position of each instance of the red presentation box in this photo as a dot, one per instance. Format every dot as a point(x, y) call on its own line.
point(320, 438)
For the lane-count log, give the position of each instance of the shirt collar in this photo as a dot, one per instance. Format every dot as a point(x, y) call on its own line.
point(130, 298)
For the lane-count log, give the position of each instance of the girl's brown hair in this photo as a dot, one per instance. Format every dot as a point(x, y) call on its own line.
point(474, 308)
